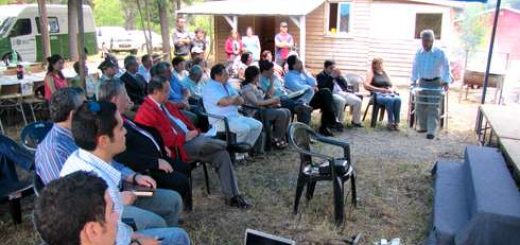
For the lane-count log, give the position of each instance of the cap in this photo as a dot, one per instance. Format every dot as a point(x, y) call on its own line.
point(106, 64)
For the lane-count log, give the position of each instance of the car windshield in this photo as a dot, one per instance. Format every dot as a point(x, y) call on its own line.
point(5, 23)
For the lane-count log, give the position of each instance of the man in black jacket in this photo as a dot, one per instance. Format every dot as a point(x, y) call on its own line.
point(145, 152)
point(135, 83)
point(331, 78)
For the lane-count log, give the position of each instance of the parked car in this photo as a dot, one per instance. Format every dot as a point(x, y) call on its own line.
point(139, 38)
point(116, 39)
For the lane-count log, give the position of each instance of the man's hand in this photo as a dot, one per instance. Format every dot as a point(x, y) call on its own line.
point(238, 100)
point(128, 197)
point(165, 166)
point(145, 180)
point(168, 151)
point(191, 135)
point(144, 240)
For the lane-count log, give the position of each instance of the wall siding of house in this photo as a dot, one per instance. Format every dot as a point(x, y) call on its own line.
point(370, 36)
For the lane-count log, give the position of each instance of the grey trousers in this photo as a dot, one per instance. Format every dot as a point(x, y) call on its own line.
point(428, 114)
point(163, 209)
point(214, 151)
point(280, 118)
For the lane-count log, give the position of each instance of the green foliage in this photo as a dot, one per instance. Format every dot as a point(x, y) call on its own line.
point(108, 13)
point(474, 27)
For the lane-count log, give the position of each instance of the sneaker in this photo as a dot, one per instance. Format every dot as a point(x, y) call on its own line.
point(337, 126)
point(238, 201)
point(430, 136)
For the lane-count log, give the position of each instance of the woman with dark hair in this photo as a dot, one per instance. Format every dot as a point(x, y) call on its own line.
point(54, 79)
point(378, 82)
point(254, 96)
point(278, 70)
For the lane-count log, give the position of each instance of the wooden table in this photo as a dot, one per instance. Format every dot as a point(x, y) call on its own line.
point(503, 122)
point(511, 150)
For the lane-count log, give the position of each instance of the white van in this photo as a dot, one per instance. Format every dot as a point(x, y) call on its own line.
point(20, 31)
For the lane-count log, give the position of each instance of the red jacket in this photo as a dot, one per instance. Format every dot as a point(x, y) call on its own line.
point(151, 115)
point(229, 47)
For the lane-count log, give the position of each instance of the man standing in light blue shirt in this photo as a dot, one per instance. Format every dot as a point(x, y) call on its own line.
point(297, 79)
point(431, 71)
point(222, 99)
point(98, 131)
point(145, 67)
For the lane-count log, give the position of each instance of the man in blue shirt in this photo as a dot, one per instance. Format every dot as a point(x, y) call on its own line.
point(145, 67)
point(98, 130)
point(297, 79)
point(222, 99)
point(431, 70)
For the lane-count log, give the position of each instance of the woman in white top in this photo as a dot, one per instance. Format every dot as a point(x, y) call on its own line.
point(252, 43)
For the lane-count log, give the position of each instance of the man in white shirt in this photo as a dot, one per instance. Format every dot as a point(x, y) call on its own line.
point(98, 130)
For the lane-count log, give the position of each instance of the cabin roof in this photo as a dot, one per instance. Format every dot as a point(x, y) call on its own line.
point(253, 7)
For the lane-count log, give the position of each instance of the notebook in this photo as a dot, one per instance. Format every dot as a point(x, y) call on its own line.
point(254, 237)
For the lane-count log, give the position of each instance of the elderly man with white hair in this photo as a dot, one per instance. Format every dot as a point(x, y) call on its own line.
point(431, 71)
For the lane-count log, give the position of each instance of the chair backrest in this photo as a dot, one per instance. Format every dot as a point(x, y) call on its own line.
point(300, 136)
point(33, 134)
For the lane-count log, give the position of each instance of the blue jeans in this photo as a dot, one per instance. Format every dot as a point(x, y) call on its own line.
point(392, 103)
point(173, 236)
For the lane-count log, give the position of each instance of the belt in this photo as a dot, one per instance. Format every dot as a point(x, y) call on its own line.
point(430, 79)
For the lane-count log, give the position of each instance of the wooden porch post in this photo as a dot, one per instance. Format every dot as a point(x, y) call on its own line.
point(299, 21)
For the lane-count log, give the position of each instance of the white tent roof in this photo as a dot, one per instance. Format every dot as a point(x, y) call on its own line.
point(253, 7)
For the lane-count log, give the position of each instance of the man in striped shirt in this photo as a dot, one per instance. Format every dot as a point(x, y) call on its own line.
point(431, 70)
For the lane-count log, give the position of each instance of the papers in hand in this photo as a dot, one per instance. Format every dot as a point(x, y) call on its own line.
point(295, 94)
point(138, 190)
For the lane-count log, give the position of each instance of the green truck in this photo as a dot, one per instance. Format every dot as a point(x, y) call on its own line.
point(20, 31)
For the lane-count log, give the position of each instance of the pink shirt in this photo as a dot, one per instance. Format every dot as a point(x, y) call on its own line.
point(58, 83)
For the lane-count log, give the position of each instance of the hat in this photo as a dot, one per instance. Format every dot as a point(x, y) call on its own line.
point(106, 64)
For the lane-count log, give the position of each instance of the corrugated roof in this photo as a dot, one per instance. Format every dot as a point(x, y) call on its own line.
point(253, 7)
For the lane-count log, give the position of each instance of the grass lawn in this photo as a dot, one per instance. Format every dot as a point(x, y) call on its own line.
point(394, 190)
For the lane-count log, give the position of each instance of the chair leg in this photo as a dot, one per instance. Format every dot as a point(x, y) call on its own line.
point(23, 113)
point(366, 112)
point(299, 190)
point(339, 205)
point(310, 190)
point(353, 189)
point(381, 113)
point(205, 168)
point(16, 210)
point(189, 199)
point(31, 106)
point(375, 112)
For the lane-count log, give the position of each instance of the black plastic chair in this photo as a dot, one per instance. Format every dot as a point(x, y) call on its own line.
point(377, 109)
point(33, 134)
point(329, 168)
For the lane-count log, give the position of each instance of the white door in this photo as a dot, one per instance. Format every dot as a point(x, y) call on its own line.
point(23, 39)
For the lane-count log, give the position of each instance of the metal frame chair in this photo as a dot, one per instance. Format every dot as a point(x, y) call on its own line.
point(11, 98)
point(338, 170)
point(34, 133)
point(442, 99)
point(377, 109)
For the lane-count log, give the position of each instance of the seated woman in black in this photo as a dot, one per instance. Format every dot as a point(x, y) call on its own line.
point(378, 82)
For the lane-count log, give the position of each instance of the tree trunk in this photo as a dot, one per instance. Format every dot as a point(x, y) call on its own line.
point(165, 27)
point(148, 42)
point(81, 42)
point(44, 29)
point(72, 9)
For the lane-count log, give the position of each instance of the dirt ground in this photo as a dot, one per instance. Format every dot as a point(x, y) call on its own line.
point(394, 188)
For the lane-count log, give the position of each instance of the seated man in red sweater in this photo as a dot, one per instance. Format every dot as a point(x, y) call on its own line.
point(184, 141)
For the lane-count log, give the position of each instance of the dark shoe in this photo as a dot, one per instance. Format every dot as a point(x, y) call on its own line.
point(357, 125)
point(302, 108)
point(325, 132)
point(337, 127)
point(421, 130)
point(430, 136)
point(238, 202)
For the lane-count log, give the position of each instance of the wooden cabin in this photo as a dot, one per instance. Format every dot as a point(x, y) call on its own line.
point(349, 32)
